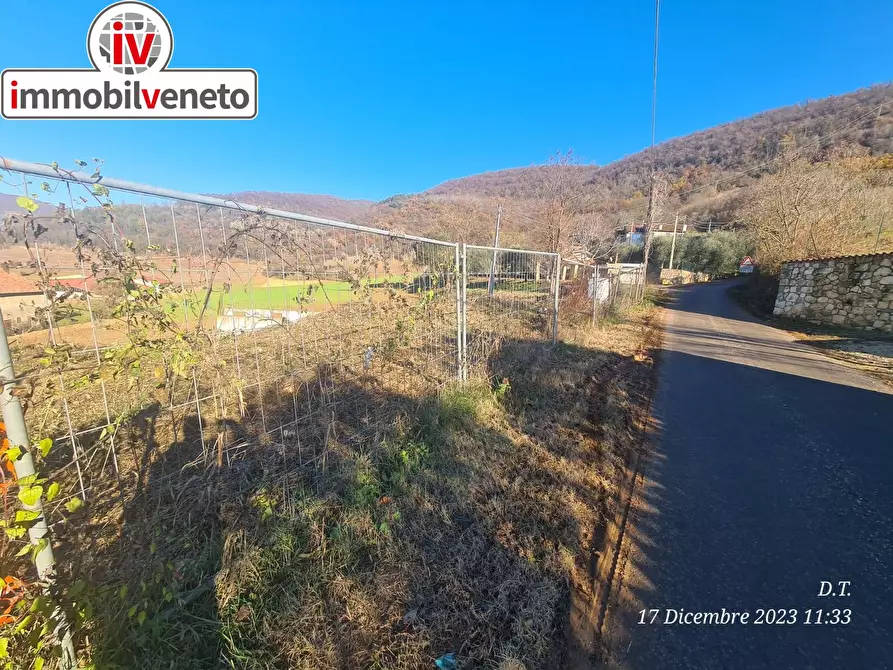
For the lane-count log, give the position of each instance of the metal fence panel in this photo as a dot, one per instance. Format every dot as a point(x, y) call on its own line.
point(181, 325)
point(509, 296)
point(167, 334)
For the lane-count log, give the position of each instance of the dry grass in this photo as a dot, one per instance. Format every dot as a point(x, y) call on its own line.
point(871, 353)
point(390, 518)
point(468, 544)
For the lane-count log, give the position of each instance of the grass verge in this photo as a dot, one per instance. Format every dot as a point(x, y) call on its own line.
point(458, 526)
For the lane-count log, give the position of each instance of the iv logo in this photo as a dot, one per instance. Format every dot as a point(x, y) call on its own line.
point(130, 38)
point(130, 45)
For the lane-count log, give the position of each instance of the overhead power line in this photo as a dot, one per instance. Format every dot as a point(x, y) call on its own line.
point(654, 81)
point(650, 222)
point(864, 116)
point(817, 142)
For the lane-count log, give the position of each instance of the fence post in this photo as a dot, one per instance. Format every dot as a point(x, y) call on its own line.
point(464, 313)
point(17, 434)
point(491, 284)
point(641, 284)
point(460, 328)
point(557, 285)
point(594, 295)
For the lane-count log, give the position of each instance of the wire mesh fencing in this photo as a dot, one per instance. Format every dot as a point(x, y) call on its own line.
point(590, 293)
point(161, 337)
point(627, 283)
point(185, 320)
point(509, 295)
point(162, 330)
point(585, 292)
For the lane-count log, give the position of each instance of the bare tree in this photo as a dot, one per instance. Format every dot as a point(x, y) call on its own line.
point(813, 209)
point(596, 232)
point(564, 196)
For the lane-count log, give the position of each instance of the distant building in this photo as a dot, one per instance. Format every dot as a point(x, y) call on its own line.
point(632, 234)
point(20, 299)
point(666, 229)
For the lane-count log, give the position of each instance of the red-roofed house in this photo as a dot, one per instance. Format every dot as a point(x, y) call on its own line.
point(79, 282)
point(19, 300)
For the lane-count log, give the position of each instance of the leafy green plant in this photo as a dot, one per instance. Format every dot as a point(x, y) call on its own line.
point(34, 614)
point(502, 388)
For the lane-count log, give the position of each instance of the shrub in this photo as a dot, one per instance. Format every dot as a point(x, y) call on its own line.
point(714, 253)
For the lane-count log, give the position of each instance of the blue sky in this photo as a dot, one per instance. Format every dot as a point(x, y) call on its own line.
point(368, 99)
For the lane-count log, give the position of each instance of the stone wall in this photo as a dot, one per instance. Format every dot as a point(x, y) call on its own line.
point(855, 291)
point(674, 277)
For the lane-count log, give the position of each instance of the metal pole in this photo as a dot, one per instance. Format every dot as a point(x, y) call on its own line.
point(880, 229)
point(673, 245)
point(491, 285)
point(651, 213)
point(557, 284)
point(460, 328)
point(17, 433)
point(594, 294)
point(464, 313)
point(642, 277)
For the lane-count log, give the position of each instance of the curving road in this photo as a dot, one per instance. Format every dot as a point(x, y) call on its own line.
point(773, 472)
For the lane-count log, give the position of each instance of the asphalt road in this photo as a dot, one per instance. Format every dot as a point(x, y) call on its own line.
point(773, 472)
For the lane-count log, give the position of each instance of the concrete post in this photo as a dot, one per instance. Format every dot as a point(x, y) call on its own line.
point(17, 434)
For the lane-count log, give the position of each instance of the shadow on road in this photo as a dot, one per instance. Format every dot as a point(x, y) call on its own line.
point(770, 473)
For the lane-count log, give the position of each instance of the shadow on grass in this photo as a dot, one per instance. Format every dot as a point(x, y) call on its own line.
point(384, 529)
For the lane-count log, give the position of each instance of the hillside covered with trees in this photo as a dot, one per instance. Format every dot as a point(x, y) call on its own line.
point(728, 177)
point(862, 119)
point(831, 155)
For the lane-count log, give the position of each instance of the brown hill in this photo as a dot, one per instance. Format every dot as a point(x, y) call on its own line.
point(324, 206)
point(862, 119)
point(709, 172)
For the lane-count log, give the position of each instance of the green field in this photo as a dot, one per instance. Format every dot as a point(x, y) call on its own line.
point(309, 295)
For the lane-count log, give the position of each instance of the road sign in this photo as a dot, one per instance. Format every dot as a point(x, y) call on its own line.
point(745, 267)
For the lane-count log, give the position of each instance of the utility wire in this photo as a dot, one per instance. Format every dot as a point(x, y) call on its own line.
point(817, 142)
point(654, 81)
point(812, 144)
point(649, 222)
